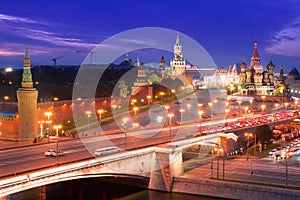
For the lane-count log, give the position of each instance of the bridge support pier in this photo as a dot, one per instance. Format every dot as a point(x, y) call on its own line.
point(165, 166)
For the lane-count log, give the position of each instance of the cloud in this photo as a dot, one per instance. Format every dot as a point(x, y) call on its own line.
point(15, 49)
point(38, 30)
point(139, 42)
point(286, 41)
point(16, 19)
point(56, 39)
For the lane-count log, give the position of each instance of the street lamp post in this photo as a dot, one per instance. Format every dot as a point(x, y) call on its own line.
point(200, 117)
point(161, 96)
point(287, 156)
point(100, 115)
point(125, 120)
point(286, 105)
point(41, 127)
point(88, 117)
point(250, 102)
point(48, 114)
point(170, 115)
point(239, 102)
point(263, 98)
point(149, 99)
point(114, 106)
point(263, 108)
point(133, 101)
point(276, 105)
point(248, 135)
point(226, 117)
point(181, 114)
point(210, 106)
point(135, 109)
point(227, 104)
point(246, 112)
point(57, 127)
point(219, 150)
point(188, 108)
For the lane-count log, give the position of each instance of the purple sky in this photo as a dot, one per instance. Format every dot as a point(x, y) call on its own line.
point(226, 29)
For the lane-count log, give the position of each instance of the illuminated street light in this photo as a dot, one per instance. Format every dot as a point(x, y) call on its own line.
point(226, 103)
point(226, 111)
point(248, 135)
point(135, 109)
point(172, 92)
point(200, 112)
point(219, 151)
point(263, 108)
point(161, 96)
point(181, 113)
point(188, 107)
point(210, 106)
point(250, 102)
point(286, 105)
point(170, 115)
point(276, 105)
point(48, 114)
point(125, 120)
point(149, 99)
point(41, 127)
point(114, 106)
point(100, 115)
point(166, 108)
point(263, 98)
point(88, 113)
point(57, 127)
point(239, 102)
point(246, 112)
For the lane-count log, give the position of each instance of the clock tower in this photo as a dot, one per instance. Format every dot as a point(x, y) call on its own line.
point(177, 65)
point(27, 104)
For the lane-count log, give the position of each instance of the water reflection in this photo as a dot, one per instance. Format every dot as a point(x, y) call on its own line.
point(94, 189)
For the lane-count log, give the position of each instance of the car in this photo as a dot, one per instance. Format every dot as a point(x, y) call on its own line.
point(49, 152)
point(272, 152)
point(57, 153)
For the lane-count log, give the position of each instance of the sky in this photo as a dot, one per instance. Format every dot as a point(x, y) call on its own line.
point(225, 29)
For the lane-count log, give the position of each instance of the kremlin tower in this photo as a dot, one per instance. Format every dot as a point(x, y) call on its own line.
point(27, 104)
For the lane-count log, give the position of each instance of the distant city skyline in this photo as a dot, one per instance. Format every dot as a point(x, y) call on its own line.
point(226, 29)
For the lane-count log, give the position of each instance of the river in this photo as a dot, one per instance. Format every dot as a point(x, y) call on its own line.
point(90, 189)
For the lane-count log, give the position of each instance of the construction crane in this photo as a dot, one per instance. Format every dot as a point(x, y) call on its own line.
point(55, 59)
point(91, 53)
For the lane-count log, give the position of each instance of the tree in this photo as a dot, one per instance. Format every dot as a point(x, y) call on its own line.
point(123, 89)
point(153, 78)
point(263, 133)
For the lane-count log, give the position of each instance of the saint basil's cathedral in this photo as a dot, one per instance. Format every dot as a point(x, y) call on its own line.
point(255, 80)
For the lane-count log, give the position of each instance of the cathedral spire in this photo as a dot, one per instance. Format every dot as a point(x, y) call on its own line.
point(255, 57)
point(137, 61)
point(26, 53)
point(177, 39)
point(27, 76)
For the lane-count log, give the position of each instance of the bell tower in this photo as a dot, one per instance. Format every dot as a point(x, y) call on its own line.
point(178, 63)
point(27, 103)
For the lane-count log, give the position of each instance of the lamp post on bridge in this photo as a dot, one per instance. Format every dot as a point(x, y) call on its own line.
point(170, 115)
point(100, 115)
point(200, 112)
point(56, 127)
point(125, 120)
